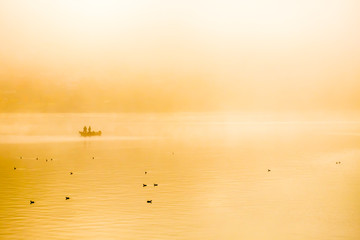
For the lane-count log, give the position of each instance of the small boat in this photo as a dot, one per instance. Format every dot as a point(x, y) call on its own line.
point(89, 134)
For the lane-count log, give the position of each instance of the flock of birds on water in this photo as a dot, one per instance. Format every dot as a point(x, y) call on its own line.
point(144, 185)
point(71, 173)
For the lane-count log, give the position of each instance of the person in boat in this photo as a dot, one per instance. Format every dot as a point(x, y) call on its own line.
point(85, 129)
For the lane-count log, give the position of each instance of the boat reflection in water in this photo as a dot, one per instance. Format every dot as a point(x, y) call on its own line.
point(88, 133)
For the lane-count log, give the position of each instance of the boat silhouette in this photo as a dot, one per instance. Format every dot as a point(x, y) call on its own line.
point(89, 133)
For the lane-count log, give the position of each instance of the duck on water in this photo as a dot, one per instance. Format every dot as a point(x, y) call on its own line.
point(88, 133)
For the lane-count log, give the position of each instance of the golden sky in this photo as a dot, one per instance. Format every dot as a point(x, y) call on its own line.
point(108, 55)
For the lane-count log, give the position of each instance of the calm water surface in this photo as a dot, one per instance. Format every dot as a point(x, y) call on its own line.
point(212, 172)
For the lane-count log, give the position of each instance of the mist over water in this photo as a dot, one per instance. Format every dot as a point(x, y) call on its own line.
point(212, 172)
point(219, 120)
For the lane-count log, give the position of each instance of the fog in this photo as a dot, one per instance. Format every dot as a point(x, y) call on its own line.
point(151, 56)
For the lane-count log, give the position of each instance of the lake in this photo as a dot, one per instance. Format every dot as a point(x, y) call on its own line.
point(219, 176)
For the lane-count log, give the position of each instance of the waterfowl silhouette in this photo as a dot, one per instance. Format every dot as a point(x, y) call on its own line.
point(155, 184)
point(14, 168)
point(31, 202)
point(145, 172)
point(149, 201)
point(46, 160)
point(20, 157)
point(71, 173)
point(67, 198)
point(269, 170)
point(37, 158)
point(93, 157)
point(144, 185)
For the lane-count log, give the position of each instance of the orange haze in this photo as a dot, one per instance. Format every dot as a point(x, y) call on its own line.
point(113, 56)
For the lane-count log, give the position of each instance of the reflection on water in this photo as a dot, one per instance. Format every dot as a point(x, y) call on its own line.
point(47, 139)
point(211, 171)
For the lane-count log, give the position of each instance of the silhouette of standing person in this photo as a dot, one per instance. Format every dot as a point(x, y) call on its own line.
point(85, 130)
point(89, 129)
